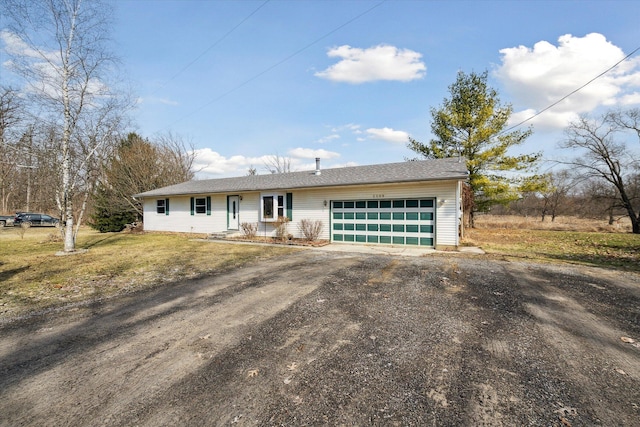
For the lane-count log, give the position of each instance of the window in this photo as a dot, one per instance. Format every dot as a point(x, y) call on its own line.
point(201, 205)
point(280, 206)
point(160, 207)
point(275, 206)
point(267, 208)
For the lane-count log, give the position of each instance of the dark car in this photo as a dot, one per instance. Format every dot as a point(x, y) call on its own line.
point(35, 220)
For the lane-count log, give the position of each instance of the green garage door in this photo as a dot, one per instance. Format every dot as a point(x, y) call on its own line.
point(395, 222)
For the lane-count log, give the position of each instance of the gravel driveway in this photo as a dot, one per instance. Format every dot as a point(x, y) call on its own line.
point(317, 338)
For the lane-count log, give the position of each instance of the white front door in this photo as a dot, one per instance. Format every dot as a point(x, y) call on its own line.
point(233, 212)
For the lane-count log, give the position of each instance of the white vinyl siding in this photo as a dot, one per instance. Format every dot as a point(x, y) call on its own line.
point(309, 204)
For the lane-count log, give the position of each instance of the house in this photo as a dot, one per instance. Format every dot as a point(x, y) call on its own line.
point(407, 203)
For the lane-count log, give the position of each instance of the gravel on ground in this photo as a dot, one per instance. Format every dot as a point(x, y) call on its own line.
point(319, 338)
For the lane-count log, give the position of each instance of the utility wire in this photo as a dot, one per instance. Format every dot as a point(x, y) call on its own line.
point(571, 93)
point(282, 61)
point(217, 42)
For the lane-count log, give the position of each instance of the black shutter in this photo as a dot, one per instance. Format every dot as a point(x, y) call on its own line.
point(208, 205)
point(193, 206)
point(166, 206)
point(290, 206)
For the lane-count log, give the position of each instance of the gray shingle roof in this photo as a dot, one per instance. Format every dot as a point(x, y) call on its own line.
point(420, 170)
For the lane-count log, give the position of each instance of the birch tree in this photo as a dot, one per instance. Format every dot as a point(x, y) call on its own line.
point(59, 50)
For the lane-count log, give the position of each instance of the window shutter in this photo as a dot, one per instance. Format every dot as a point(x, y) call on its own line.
point(290, 206)
point(193, 206)
point(208, 205)
point(166, 206)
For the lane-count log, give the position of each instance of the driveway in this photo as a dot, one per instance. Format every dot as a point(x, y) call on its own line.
point(325, 338)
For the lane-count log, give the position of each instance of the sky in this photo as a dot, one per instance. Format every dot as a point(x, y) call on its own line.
point(350, 81)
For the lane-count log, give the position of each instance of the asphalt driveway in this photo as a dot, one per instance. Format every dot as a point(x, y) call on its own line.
point(320, 338)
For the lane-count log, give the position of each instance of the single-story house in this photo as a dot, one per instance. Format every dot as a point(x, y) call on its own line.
point(407, 203)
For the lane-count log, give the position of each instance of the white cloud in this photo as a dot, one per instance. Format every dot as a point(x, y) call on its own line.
point(388, 135)
point(211, 162)
point(309, 153)
point(349, 127)
point(543, 122)
point(47, 66)
point(540, 76)
point(14, 45)
point(328, 138)
point(630, 99)
point(382, 62)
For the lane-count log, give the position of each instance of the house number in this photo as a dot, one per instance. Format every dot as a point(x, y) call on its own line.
point(378, 196)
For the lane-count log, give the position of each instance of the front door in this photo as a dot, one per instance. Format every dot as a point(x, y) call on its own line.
point(233, 211)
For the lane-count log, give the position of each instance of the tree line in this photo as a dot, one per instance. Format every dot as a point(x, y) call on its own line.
point(64, 115)
point(104, 175)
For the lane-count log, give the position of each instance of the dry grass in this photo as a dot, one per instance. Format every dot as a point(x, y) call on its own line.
point(561, 223)
point(32, 276)
point(571, 240)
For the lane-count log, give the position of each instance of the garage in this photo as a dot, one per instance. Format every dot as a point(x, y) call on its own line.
point(394, 222)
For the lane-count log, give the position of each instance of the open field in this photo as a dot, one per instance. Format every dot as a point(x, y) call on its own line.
point(33, 277)
point(570, 240)
point(561, 223)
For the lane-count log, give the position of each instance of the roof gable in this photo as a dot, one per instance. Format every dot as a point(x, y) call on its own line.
point(413, 171)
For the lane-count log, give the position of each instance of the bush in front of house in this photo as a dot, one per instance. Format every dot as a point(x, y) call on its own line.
point(310, 229)
point(249, 229)
point(281, 229)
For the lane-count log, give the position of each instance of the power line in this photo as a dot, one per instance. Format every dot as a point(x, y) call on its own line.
point(282, 61)
point(572, 92)
point(217, 42)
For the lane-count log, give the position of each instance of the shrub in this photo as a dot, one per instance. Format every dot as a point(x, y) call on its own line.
point(24, 226)
point(281, 228)
point(310, 229)
point(249, 229)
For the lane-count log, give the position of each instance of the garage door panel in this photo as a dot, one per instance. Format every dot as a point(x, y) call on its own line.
point(396, 221)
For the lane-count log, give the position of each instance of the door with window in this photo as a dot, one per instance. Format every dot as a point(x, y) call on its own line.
point(233, 212)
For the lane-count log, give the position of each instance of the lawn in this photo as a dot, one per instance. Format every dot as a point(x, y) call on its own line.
point(32, 276)
point(564, 241)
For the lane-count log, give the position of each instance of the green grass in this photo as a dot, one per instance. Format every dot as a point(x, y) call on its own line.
point(610, 250)
point(32, 276)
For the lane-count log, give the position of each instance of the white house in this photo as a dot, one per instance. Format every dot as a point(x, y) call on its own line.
point(408, 203)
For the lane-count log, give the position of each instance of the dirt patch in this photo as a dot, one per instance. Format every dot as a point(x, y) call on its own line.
point(318, 338)
point(288, 242)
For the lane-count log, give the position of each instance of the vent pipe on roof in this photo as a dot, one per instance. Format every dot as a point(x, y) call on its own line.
point(317, 166)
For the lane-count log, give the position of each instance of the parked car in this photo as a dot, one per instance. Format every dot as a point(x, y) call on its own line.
point(4, 220)
point(35, 220)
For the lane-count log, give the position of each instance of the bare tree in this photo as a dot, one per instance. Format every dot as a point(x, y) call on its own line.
point(11, 115)
point(605, 156)
point(555, 194)
point(278, 164)
point(59, 48)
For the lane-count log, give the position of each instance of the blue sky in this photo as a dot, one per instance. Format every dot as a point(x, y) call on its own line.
point(348, 81)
